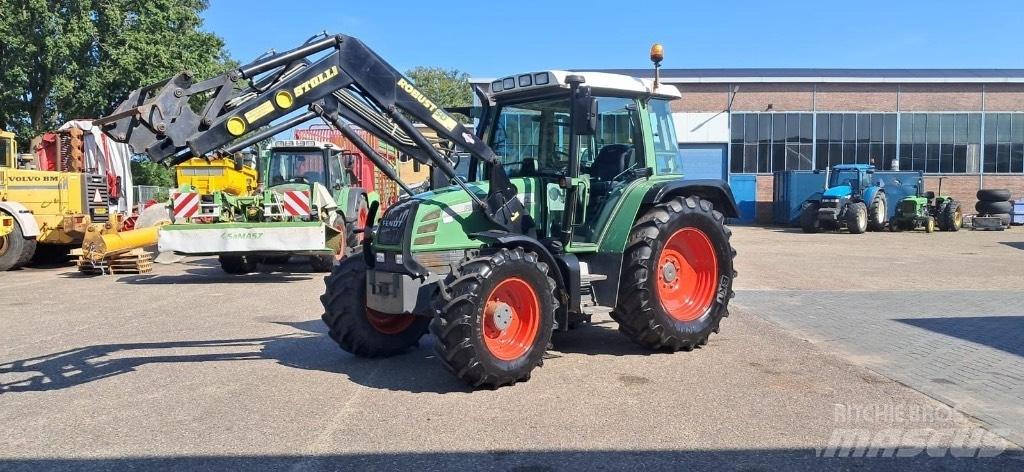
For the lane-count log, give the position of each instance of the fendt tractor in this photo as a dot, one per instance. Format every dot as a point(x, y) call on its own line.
point(45, 207)
point(305, 205)
point(585, 210)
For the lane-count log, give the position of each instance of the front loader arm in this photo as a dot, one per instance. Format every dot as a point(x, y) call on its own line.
point(161, 121)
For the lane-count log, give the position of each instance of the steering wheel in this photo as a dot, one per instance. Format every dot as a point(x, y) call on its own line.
point(299, 179)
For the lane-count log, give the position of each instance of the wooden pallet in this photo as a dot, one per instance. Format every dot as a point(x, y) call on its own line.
point(136, 261)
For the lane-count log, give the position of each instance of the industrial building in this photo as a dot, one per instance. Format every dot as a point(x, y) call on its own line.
point(744, 125)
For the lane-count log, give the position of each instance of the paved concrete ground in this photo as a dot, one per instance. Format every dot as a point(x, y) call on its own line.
point(947, 321)
point(188, 368)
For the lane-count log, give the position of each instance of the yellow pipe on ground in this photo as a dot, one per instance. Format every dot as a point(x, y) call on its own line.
point(99, 244)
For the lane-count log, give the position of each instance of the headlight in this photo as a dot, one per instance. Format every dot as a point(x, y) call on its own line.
point(380, 257)
point(398, 259)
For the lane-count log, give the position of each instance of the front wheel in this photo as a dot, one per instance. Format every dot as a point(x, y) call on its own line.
point(677, 275)
point(857, 218)
point(495, 317)
point(15, 249)
point(358, 329)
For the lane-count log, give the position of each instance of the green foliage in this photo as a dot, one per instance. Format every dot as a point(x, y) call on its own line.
point(68, 59)
point(447, 88)
point(146, 172)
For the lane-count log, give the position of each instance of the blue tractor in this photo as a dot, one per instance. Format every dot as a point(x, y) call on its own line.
point(853, 199)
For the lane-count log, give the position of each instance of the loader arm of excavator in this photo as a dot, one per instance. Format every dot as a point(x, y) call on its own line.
point(334, 77)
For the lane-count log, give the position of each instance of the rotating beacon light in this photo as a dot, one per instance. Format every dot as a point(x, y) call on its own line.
point(657, 55)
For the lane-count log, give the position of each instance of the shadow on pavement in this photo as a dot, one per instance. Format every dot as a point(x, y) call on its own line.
point(1014, 244)
point(214, 275)
point(1005, 333)
point(309, 348)
point(529, 461)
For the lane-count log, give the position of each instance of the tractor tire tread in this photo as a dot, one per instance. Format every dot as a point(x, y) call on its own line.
point(634, 312)
point(456, 307)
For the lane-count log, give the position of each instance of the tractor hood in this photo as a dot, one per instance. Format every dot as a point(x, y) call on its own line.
point(441, 220)
point(839, 191)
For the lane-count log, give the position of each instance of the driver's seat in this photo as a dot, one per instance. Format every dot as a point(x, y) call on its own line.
point(611, 161)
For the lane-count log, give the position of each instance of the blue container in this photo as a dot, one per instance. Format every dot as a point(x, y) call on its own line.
point(744, 190)
point(792, 188)
point(1018, 212)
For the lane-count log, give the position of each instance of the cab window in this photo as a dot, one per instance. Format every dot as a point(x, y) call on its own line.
point(532, 138)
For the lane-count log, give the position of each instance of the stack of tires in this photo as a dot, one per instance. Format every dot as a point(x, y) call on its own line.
point(994, 203)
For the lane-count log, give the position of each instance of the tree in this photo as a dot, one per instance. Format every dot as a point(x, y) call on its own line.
point(146, 172)
point(446, 87)
point(67, 59)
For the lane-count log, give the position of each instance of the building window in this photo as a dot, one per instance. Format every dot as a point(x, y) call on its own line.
point(856, 138)
point(943, 143)
point(1004, 142)
point(767, 142)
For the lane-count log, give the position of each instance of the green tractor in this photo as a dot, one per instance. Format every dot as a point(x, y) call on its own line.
point(574, 203)
point(927, 211)
point(611, 224)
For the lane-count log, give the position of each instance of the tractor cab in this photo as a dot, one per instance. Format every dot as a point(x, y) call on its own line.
point(849, 179)
point(299, 164)
point(580, 144)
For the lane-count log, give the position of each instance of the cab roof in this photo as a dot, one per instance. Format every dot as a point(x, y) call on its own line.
point(853, 167)
point(599, 81)
point(301, 143)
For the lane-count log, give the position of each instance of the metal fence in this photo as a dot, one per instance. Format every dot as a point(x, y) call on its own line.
point(145, 193)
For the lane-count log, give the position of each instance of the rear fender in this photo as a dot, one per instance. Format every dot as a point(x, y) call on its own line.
point(869, 194)
point(716, 191)
point(23, 216)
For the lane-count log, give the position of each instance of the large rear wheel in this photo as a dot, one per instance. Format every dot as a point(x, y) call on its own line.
point(356, 328)
point(951, 217)
point(878, 213)
point(677, 276)
point(496, 315)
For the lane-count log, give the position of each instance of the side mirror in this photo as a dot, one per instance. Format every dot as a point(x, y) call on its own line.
point(584, 111)
point(350, 161)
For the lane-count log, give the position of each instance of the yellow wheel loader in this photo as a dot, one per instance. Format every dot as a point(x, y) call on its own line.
point(40, 207)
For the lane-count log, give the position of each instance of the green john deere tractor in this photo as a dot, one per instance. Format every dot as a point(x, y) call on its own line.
point(927, 211)
point(610, 225)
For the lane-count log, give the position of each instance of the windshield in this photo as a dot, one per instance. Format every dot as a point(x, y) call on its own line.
point(667, 156)
point(845, 177)
point(296, 167)
point(532, 137)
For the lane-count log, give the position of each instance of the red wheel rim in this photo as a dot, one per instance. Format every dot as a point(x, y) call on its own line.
point(361, 221)
point(687, 274)
point(514, 306)
point(389, 324)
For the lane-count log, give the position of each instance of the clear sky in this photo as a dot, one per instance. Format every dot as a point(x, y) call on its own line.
point(494, 38)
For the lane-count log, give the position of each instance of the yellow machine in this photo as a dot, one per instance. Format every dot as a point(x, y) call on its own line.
point(43, 207)
point(217, 175)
